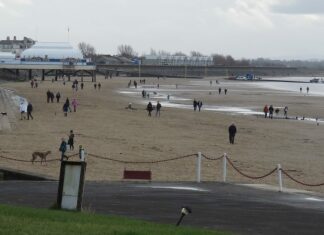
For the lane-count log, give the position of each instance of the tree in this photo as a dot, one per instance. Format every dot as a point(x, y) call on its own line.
point(230, 60)
point(126, 51)
point(87, 50)
point(219, 59)
point(179, 53)
point(153, 52)
point(196, 53)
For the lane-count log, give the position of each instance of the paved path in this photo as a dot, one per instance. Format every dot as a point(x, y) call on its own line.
point(240, 209)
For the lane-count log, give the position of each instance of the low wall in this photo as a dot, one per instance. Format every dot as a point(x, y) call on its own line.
point(12, 174)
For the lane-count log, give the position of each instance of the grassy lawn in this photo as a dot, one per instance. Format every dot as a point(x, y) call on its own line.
point(19, 220)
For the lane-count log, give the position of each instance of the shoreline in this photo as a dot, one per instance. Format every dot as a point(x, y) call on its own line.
point(176, 101)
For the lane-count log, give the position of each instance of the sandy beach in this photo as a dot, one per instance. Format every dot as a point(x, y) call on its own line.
point(105, 128)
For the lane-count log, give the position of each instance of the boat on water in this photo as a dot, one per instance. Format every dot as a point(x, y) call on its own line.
point(316, 80)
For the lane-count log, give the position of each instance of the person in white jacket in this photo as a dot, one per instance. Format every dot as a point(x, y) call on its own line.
point(23, 109)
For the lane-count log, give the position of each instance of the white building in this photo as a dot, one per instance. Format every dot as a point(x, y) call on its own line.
point(6, 57)
point(51, 51)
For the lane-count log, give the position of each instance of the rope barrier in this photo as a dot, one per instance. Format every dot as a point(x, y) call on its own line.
point(140, 162)
point(212, 159)
point(174, 159)
point(248, 176)
point(299, 182)
point(50, 160)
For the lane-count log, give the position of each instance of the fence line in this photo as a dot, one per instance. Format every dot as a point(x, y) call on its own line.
point(300, 182)
point(212, 159)
point(140, 162)
point(248, 176)
point(199, 156)
point(50, 160)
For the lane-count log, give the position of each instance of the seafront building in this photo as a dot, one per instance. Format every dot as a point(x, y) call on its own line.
point(177, 60)
point(15, 46)
point(53, 52)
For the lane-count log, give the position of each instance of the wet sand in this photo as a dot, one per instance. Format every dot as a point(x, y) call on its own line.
point(105, 128)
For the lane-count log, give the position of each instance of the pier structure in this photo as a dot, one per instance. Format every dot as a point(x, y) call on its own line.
point(58, 60)
point(185, 71)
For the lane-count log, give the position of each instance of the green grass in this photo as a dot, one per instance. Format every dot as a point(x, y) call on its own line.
point(29, 221)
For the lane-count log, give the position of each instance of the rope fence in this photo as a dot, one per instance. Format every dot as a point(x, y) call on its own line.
point(212, 159)
point(199, 157)
point(248, 176)
point(300, 182)
point(31, 161)
point(140, 162)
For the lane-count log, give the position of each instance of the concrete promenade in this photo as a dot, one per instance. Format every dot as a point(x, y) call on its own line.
point(240, 209)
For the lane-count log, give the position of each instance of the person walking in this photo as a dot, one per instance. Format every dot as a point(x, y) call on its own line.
point(225, 91)
point(74, 104)
point(195, 104)
point(158, 109)
point(22, 109)
point(307, 89)
point(29, 111)
point(219, 91)
point(286, 112)
point(99, 86)
point(65, 109)
point(232, 131)
point(271, 111)
point(48, 94)
point(52, 97)
point(58, 96)
point(67, 101)
point(82, 85)
point(149, 108)
point(71, 140)
point(95, 86)
point(62, 149)
point(265, 110)
point(200, 104)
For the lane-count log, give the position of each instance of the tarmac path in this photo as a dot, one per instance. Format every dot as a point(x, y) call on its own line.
point(240, 209)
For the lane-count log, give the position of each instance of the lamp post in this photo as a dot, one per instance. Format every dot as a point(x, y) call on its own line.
point(139, 69)
point(184, 211)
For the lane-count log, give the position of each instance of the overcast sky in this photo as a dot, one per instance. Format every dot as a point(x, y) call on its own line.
point(242, 28)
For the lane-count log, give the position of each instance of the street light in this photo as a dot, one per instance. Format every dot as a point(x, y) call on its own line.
point(139, 68)
point(184, 211)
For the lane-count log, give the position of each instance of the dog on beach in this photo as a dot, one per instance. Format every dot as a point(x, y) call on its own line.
point(41, 155)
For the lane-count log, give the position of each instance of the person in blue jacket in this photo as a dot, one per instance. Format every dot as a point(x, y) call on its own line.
point(63, 149)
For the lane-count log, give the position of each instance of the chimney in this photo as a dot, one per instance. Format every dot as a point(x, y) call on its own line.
point(15, 38)
point(8, 38)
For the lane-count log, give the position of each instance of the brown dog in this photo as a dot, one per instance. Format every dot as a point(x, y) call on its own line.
point(41, 155)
